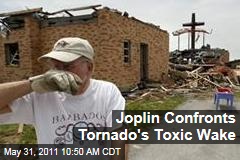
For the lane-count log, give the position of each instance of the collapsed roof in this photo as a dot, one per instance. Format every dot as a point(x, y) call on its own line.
point(14, 20)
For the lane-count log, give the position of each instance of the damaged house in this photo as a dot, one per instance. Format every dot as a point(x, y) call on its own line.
point(127, 50)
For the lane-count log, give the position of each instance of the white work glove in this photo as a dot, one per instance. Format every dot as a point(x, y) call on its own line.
point(56, 80)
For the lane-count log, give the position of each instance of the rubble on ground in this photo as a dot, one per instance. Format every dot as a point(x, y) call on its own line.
point(194, 69)
point(204, 76)
point(189, 78)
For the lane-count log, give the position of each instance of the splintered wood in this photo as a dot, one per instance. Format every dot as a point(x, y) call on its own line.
point(202, 76)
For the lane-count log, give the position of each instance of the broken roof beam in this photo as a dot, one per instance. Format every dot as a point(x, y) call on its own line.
point(22, 12)
point(181, 67)
point(187, 30)
point(73, 9)
point(58, 21)
point(12, 22)
point(71, 15)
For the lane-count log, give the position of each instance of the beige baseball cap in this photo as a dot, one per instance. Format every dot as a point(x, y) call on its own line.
point(69, 49)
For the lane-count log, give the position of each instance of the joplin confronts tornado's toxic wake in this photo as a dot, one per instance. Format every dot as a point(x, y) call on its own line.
point(172, 127)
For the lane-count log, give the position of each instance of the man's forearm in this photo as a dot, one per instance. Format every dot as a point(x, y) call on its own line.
point(13, 90)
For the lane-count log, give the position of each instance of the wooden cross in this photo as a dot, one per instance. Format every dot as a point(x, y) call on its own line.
point(193, 25)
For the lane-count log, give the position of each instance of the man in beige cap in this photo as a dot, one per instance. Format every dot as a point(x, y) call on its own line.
point(62, 98)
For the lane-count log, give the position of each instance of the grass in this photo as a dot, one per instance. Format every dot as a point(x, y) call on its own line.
point(168, 103)
point(9, 134)
point(28, 136)
point(237, 95)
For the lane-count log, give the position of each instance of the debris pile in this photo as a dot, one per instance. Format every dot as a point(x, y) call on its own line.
point(203, 68)
point(204, 55)
point(188, 78)
point(204, 76)
point(194, 69)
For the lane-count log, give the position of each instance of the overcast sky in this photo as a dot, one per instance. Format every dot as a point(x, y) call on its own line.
point(220, 16)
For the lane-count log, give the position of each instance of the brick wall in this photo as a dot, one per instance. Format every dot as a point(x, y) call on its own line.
point(22, 36)
point(113, 30)
point(106, 33)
